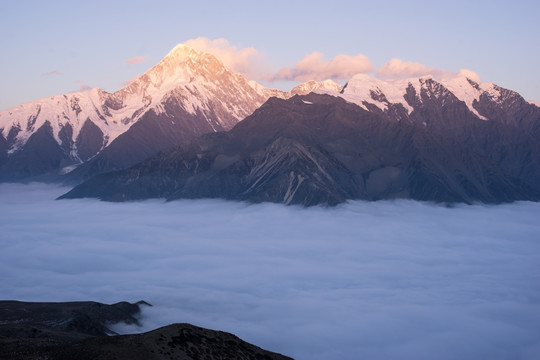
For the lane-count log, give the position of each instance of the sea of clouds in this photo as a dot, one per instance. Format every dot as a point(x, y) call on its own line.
point(382, 280)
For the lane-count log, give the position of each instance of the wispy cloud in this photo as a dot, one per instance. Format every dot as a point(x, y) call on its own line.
point(314, 67)
point(399, 69)
point(383, 280)
point(253, 65)
point(52, 73)
point(136, 60)
point(85, 87)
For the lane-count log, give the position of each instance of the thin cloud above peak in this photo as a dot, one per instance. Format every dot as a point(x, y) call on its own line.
point(399, 69)
point(253, 65)
point(136, 60)
point(52, 73)
point(314, 67)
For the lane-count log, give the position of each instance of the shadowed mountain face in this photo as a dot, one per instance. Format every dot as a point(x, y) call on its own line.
point(63, 321)
point(78, 330)
point(316, 149)
point(493, 122)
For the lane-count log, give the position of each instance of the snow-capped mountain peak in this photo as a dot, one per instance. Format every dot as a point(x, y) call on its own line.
point(188, 93)
point(182, 65)
point(313, 85)
point(362, 88)
point(64, 113)
point(195, 78)
point(182, 50)
point(365, 90)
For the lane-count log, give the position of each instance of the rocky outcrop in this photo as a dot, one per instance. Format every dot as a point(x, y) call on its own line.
point(79, 330)
point(64, 321)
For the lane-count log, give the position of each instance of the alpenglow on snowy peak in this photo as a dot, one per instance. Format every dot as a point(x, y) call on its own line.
point(187, 94)
point(364, 88)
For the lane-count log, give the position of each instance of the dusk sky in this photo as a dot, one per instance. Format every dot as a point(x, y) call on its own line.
point(55, 47)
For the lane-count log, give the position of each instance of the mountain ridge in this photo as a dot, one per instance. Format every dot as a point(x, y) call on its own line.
point(314, 149)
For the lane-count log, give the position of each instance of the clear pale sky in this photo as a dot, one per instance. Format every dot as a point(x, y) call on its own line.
point(54, 47)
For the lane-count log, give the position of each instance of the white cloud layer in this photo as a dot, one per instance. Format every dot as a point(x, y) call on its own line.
point(399, 69)
point(253, 65)
point(314, 67)
point(246, 61)
point(384, 280)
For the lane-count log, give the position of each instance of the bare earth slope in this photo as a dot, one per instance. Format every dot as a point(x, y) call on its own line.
point(78, 330)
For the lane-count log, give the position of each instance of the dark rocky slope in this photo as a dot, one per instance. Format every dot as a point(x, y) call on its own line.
point(510, 138)
point(63, 321)
point(78, 330)
point(150, 135)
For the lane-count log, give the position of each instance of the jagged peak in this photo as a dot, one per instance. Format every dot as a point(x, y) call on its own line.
point(362, 87)
point(312, 85)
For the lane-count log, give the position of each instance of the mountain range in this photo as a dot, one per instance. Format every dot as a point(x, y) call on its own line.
point(191, 128)
point(315, 149)
point(187, 94)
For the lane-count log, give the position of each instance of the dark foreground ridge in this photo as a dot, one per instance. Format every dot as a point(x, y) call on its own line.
point(79, 330)
point(321, 150)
